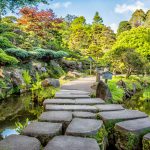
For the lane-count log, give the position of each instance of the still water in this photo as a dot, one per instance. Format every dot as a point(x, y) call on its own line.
point(17, 109)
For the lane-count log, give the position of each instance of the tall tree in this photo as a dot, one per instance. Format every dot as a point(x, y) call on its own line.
point(97, 18)
point(123, 26)
point(41, 25)
point(138, 18)
point(136, 38)
point(79, 34)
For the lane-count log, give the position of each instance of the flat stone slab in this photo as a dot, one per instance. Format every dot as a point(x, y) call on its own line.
point(44, 131)
point(71, 96)
point(82, 101)
point(109, 107)
point(59, 101)
point(89, 101)
point(20, 142)
point(84, 127)
point(70, 108)
point(121, 115)
point(72, 143)
point(56, 116)
point(72, 92)
point(87, 115)
point(137, 125)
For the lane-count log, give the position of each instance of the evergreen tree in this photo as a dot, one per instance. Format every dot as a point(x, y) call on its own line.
point(97, 18)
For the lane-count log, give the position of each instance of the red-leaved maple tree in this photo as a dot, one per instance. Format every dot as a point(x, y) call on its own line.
point(39, 21)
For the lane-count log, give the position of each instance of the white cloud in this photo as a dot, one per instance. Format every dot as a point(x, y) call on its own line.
point(123, 8)
point(67, 4)
point(61, 5)
point(114, 27)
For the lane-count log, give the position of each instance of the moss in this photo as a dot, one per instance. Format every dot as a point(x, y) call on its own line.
point(146, 144)
point(101, 138)
point(129, 140)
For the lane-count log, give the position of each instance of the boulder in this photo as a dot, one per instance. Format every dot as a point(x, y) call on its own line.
point(146, 142)
point(20, 142)
point(103, 91)
point(51, 82)
point(128, 134)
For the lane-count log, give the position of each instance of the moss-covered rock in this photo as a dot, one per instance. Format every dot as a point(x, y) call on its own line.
point(146, 142)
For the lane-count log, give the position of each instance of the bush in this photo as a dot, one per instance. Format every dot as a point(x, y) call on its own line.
point(18, 53)
point(6, 59)
point(46, 54)
point(5, 43)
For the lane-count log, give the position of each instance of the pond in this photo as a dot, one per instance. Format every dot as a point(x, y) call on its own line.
point(19, 108)
point(140, 101)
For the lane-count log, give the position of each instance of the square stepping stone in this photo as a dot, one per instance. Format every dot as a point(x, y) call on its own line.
point(131, 131)
point(59, 102)
point(84, 127)
point(89, 101)
point(71, 96)
point(109, 107)
point(146, 142)
point(70, 108)
point(72, 143)
point(86, 115)
point(44, 131)
point(63, 117)
point(20, 142)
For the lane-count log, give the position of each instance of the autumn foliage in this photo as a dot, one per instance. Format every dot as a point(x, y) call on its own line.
point(38, 21)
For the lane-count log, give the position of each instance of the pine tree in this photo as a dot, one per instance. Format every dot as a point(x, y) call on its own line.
point(97, 18)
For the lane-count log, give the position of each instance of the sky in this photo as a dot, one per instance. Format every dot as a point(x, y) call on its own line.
point(112, 11)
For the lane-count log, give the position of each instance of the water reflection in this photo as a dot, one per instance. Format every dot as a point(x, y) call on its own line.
point(17, 109)
point(8, 132)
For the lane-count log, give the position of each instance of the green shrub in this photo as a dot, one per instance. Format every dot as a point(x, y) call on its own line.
point(46, 54)
point(6, 59)
point(5, 43)
point(117, 93)
point(18, 53)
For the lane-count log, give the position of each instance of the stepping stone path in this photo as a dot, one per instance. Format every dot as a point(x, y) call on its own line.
point(20, 142)
point(74, 121)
